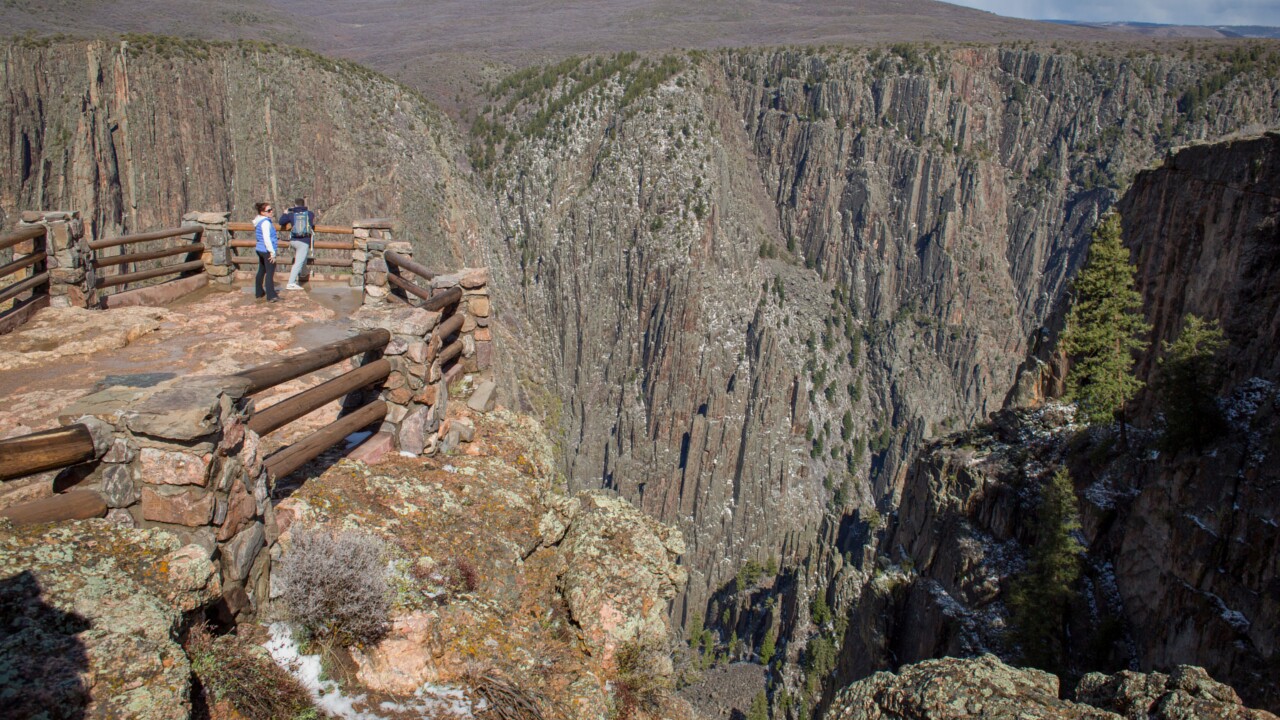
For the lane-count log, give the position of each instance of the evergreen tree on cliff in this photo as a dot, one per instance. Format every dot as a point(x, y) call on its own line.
point(1104, 329)
point(1189, 375)
point(1040, 597)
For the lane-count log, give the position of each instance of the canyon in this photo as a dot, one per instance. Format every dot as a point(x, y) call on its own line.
point(742, 288)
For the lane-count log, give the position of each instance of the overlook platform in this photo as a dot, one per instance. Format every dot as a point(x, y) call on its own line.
point(64, 354)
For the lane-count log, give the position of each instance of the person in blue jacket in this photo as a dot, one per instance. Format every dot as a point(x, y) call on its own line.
point(301, 223)
point(264, 284)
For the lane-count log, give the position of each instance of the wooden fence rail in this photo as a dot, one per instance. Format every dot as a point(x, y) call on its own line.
point(285, 461)
point(46, 450)
point(286, 411)
point(37, 281)
point(143, 237)
point(268, 376)
point(74, 505)
point(284, 253)
point(416, 268)
point(21, 234)
point(440, 301)
point(193, 265)
point(154, 255)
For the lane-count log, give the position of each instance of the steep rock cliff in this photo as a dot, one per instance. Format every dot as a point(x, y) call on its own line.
point(756, 281)
point(135, 133)
point(1181, 545)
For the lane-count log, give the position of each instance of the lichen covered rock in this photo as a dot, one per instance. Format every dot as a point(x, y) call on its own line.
point(620, 569)
point(88, 616)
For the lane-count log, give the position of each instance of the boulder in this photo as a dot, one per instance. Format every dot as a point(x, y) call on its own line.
point(619, 572)
point(484, 398)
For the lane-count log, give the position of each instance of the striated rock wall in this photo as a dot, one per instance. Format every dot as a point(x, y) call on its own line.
point(134, 134)
point(756, 283)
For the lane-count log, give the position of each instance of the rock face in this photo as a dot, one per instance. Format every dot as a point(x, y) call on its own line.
point(90, 616)
point(758, 273)
point(1181, 545)
point(984, 687)
point(620, 572)
point(136, 133)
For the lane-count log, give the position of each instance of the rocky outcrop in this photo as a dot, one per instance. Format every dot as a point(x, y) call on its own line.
point(90, 615)
point(984, 687)
point(497, 572)
point(620, 573)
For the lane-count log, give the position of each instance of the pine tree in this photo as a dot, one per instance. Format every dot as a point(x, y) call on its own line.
point(769, 646)
point(1040, 597)
point(1104, 329)
point(1189, 375)
point(759, 707)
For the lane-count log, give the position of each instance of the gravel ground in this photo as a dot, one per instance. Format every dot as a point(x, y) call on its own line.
point(726, 692)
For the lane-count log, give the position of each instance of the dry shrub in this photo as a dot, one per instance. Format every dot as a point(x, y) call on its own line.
point(504, 700)
point(335, 585)
point(235, 671)
point(640, 690)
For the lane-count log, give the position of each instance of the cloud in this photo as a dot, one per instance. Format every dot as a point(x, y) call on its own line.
point(1174, 12)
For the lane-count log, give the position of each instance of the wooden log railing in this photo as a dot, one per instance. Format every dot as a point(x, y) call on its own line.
point(50, 450)
point(47, 450)
point(268, 376)
point(35, 285)
point(19, 235)
point(74, 505)
point(430, 300)
point(337, 255)
point(286, 411)
point(289, 459)
point(193, 264)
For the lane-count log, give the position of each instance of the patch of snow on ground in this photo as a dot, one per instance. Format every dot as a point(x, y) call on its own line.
point(430, 700)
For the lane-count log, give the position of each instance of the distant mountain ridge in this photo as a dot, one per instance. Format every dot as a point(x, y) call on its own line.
point(1261, 32)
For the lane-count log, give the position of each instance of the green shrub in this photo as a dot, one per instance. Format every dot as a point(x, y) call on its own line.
point(1189, 375)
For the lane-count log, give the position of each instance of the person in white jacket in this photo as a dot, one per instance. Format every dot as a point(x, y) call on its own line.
point(264, 284)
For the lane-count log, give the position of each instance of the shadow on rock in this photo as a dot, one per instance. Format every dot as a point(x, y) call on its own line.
point(42, 660)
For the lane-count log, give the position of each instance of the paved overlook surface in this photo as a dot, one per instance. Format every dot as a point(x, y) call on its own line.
point(63, 354)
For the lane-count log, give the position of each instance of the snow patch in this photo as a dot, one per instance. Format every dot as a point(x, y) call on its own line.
point(430, 700)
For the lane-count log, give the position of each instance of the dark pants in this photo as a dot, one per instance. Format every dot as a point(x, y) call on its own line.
point(267, 270)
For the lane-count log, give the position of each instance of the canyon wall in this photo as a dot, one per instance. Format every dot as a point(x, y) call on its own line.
point(741, 287)
point(134, 133)
point(762, 278)
point(1181, 543)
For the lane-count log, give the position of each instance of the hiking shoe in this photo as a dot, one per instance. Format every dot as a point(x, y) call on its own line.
point(274, 299)
point(293, 286)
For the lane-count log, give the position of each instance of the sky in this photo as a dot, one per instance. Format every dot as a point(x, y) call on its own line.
point(1174, 12)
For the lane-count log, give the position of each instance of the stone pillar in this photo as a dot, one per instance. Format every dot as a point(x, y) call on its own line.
point(477, 338)
point(373, 237)
point(70, 261)
point(411, 399)
point(178, 457)
point(217, 244)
